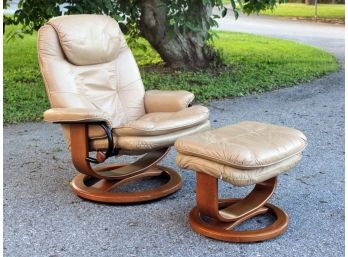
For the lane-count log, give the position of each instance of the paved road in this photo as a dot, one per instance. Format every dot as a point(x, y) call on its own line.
point(327, 36)
point(43, 218)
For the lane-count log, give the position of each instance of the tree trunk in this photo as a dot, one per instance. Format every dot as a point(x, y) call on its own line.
point(310, 2)
point(178, 49)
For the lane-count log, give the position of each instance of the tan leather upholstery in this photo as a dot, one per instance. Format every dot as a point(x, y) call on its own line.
point(99, 44)
point(153, 142)
point(153, 124)
point(259, 150)
point(245, 145)
point(237, 177)
point(98, 139)
point(114, 87)
point(90, 74)
point(72, 115)
point(167, 101)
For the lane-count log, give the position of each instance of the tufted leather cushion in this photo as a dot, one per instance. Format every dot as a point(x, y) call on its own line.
point(153, 142)
point(242, 154)
point(246, 145)
point(114, 87)
point(159, 123)
point(88, 39)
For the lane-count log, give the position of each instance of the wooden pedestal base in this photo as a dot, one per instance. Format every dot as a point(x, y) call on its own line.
point(217, 219)
point(98, 183)
point(100, 190)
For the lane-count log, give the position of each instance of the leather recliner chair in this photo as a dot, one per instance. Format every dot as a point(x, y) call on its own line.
point(97, 95)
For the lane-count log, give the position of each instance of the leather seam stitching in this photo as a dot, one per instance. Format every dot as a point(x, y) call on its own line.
point(170, 128)
point(233, 164)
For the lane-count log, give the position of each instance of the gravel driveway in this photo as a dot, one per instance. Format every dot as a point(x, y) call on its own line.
point(42, 217)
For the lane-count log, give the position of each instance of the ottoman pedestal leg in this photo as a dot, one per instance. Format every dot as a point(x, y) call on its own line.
point(217, 219)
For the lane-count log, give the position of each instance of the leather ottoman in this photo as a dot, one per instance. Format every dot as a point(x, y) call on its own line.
point(243, 154)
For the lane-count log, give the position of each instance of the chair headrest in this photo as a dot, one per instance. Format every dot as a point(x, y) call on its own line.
point(88, 39)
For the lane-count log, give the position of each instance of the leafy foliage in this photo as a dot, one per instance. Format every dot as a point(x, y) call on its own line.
point(32, 14)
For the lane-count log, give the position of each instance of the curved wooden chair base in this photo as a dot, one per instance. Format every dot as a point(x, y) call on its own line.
point(98, 183)
point(225, 230)
point(100, 190)
point(218, 219)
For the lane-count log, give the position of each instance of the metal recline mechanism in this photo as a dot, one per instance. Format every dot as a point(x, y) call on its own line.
point(111, 151)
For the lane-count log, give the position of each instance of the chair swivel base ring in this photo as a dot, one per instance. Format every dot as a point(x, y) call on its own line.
point(101, 191)
point(224, 230)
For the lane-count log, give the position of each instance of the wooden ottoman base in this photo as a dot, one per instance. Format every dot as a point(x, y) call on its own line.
point(217, 219)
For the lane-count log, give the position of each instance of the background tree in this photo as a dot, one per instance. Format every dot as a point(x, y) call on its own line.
point(179, 30)
point(310, 2)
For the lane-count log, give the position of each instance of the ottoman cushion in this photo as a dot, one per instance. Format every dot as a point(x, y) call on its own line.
point(236, 176)
point(242, 154)
point(246, 145)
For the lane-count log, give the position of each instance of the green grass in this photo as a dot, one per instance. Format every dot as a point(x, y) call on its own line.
point(253, 64)
point(325, 11)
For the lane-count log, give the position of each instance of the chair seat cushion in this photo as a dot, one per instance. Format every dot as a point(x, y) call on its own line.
point(147, 143)
point(247, 145)
point(161, 123)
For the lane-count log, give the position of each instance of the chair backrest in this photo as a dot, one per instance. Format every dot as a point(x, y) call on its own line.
point(85, 62)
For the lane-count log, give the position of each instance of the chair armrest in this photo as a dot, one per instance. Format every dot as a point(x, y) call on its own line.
point(76, 115)
point(167, 101)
